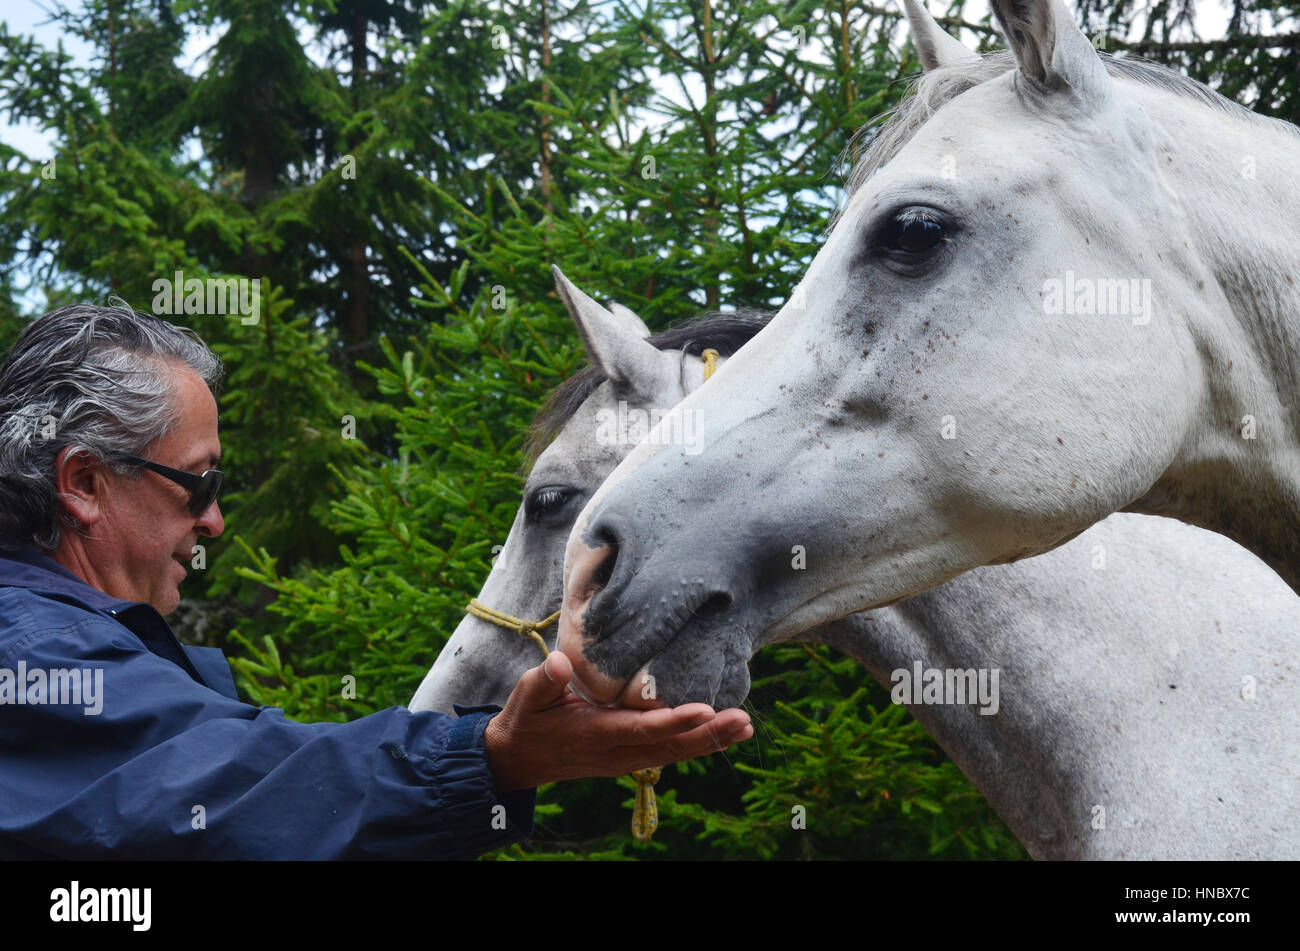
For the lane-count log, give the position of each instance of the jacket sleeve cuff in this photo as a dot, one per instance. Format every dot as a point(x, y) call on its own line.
point(482, 820)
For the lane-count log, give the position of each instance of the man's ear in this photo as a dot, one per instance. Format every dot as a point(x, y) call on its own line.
point(79, 483)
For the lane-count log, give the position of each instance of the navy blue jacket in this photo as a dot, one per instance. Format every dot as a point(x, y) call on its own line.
point(171, 735)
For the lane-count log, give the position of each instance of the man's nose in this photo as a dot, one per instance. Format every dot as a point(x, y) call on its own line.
point(210, 522)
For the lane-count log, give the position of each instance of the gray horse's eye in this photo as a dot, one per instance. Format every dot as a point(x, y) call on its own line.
point(916, 236)
point(547, 502)
point(912, 236)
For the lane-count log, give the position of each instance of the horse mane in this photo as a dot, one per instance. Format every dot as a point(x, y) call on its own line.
point(724, 331)
point(880, 140)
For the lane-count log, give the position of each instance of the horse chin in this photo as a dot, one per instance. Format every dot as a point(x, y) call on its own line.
point(637, 694)
point(587, 682)
point(586, 693)
point(627, 695)
point(704, 661)
point(641, 690)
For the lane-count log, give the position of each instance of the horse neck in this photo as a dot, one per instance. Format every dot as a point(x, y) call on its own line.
point(1014, 768)
point(1244, 215)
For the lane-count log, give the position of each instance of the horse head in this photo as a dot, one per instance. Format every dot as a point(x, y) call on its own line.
point(588, 424)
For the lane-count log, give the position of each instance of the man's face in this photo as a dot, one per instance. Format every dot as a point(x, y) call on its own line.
point(141, 547)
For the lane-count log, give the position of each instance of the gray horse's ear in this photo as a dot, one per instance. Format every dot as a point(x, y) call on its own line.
point(618, 346)
point(630, 319)
point(1051, 49)
point(935, 46)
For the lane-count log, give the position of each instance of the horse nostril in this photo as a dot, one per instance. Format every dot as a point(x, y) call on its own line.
point(605, 570)
point(597, 573)
point(715, 605)
point(602, 536)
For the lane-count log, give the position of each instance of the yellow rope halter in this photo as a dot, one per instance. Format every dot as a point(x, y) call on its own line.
point(645, 813)
point(710, 358)
point(528, 629)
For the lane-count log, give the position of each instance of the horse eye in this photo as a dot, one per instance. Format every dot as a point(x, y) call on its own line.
point(546, 501)
point(912, 235)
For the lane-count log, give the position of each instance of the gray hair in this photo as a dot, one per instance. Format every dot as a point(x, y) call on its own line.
point(86, 378)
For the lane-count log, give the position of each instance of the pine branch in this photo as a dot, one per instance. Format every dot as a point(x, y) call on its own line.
point(1286, 41)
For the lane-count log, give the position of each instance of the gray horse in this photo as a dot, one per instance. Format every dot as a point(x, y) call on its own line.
point(1139, 706)
point(1048, 299)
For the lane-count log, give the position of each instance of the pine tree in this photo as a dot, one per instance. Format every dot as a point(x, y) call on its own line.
point(1256, 63)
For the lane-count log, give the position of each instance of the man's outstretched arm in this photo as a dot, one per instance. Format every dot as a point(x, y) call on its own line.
point(168, 768)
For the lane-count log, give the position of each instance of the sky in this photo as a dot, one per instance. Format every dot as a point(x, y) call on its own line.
point(23, 17)
point(32, 18)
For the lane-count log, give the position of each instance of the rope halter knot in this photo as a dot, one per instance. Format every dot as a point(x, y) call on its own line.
point(521, 626)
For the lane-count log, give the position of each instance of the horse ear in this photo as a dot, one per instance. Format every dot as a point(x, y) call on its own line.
point(1051, 49)
point(935, 47)
point(630, 319)
point(617, 345)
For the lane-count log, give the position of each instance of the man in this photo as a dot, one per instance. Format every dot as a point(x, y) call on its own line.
point(118, 741)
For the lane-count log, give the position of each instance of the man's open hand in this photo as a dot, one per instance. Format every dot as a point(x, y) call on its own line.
point(546, 733)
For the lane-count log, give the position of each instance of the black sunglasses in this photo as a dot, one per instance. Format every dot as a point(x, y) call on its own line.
point(203, 489)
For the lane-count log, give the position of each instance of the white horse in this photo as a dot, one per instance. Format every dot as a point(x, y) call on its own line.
point(1088, 753)
point(1065, 285)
